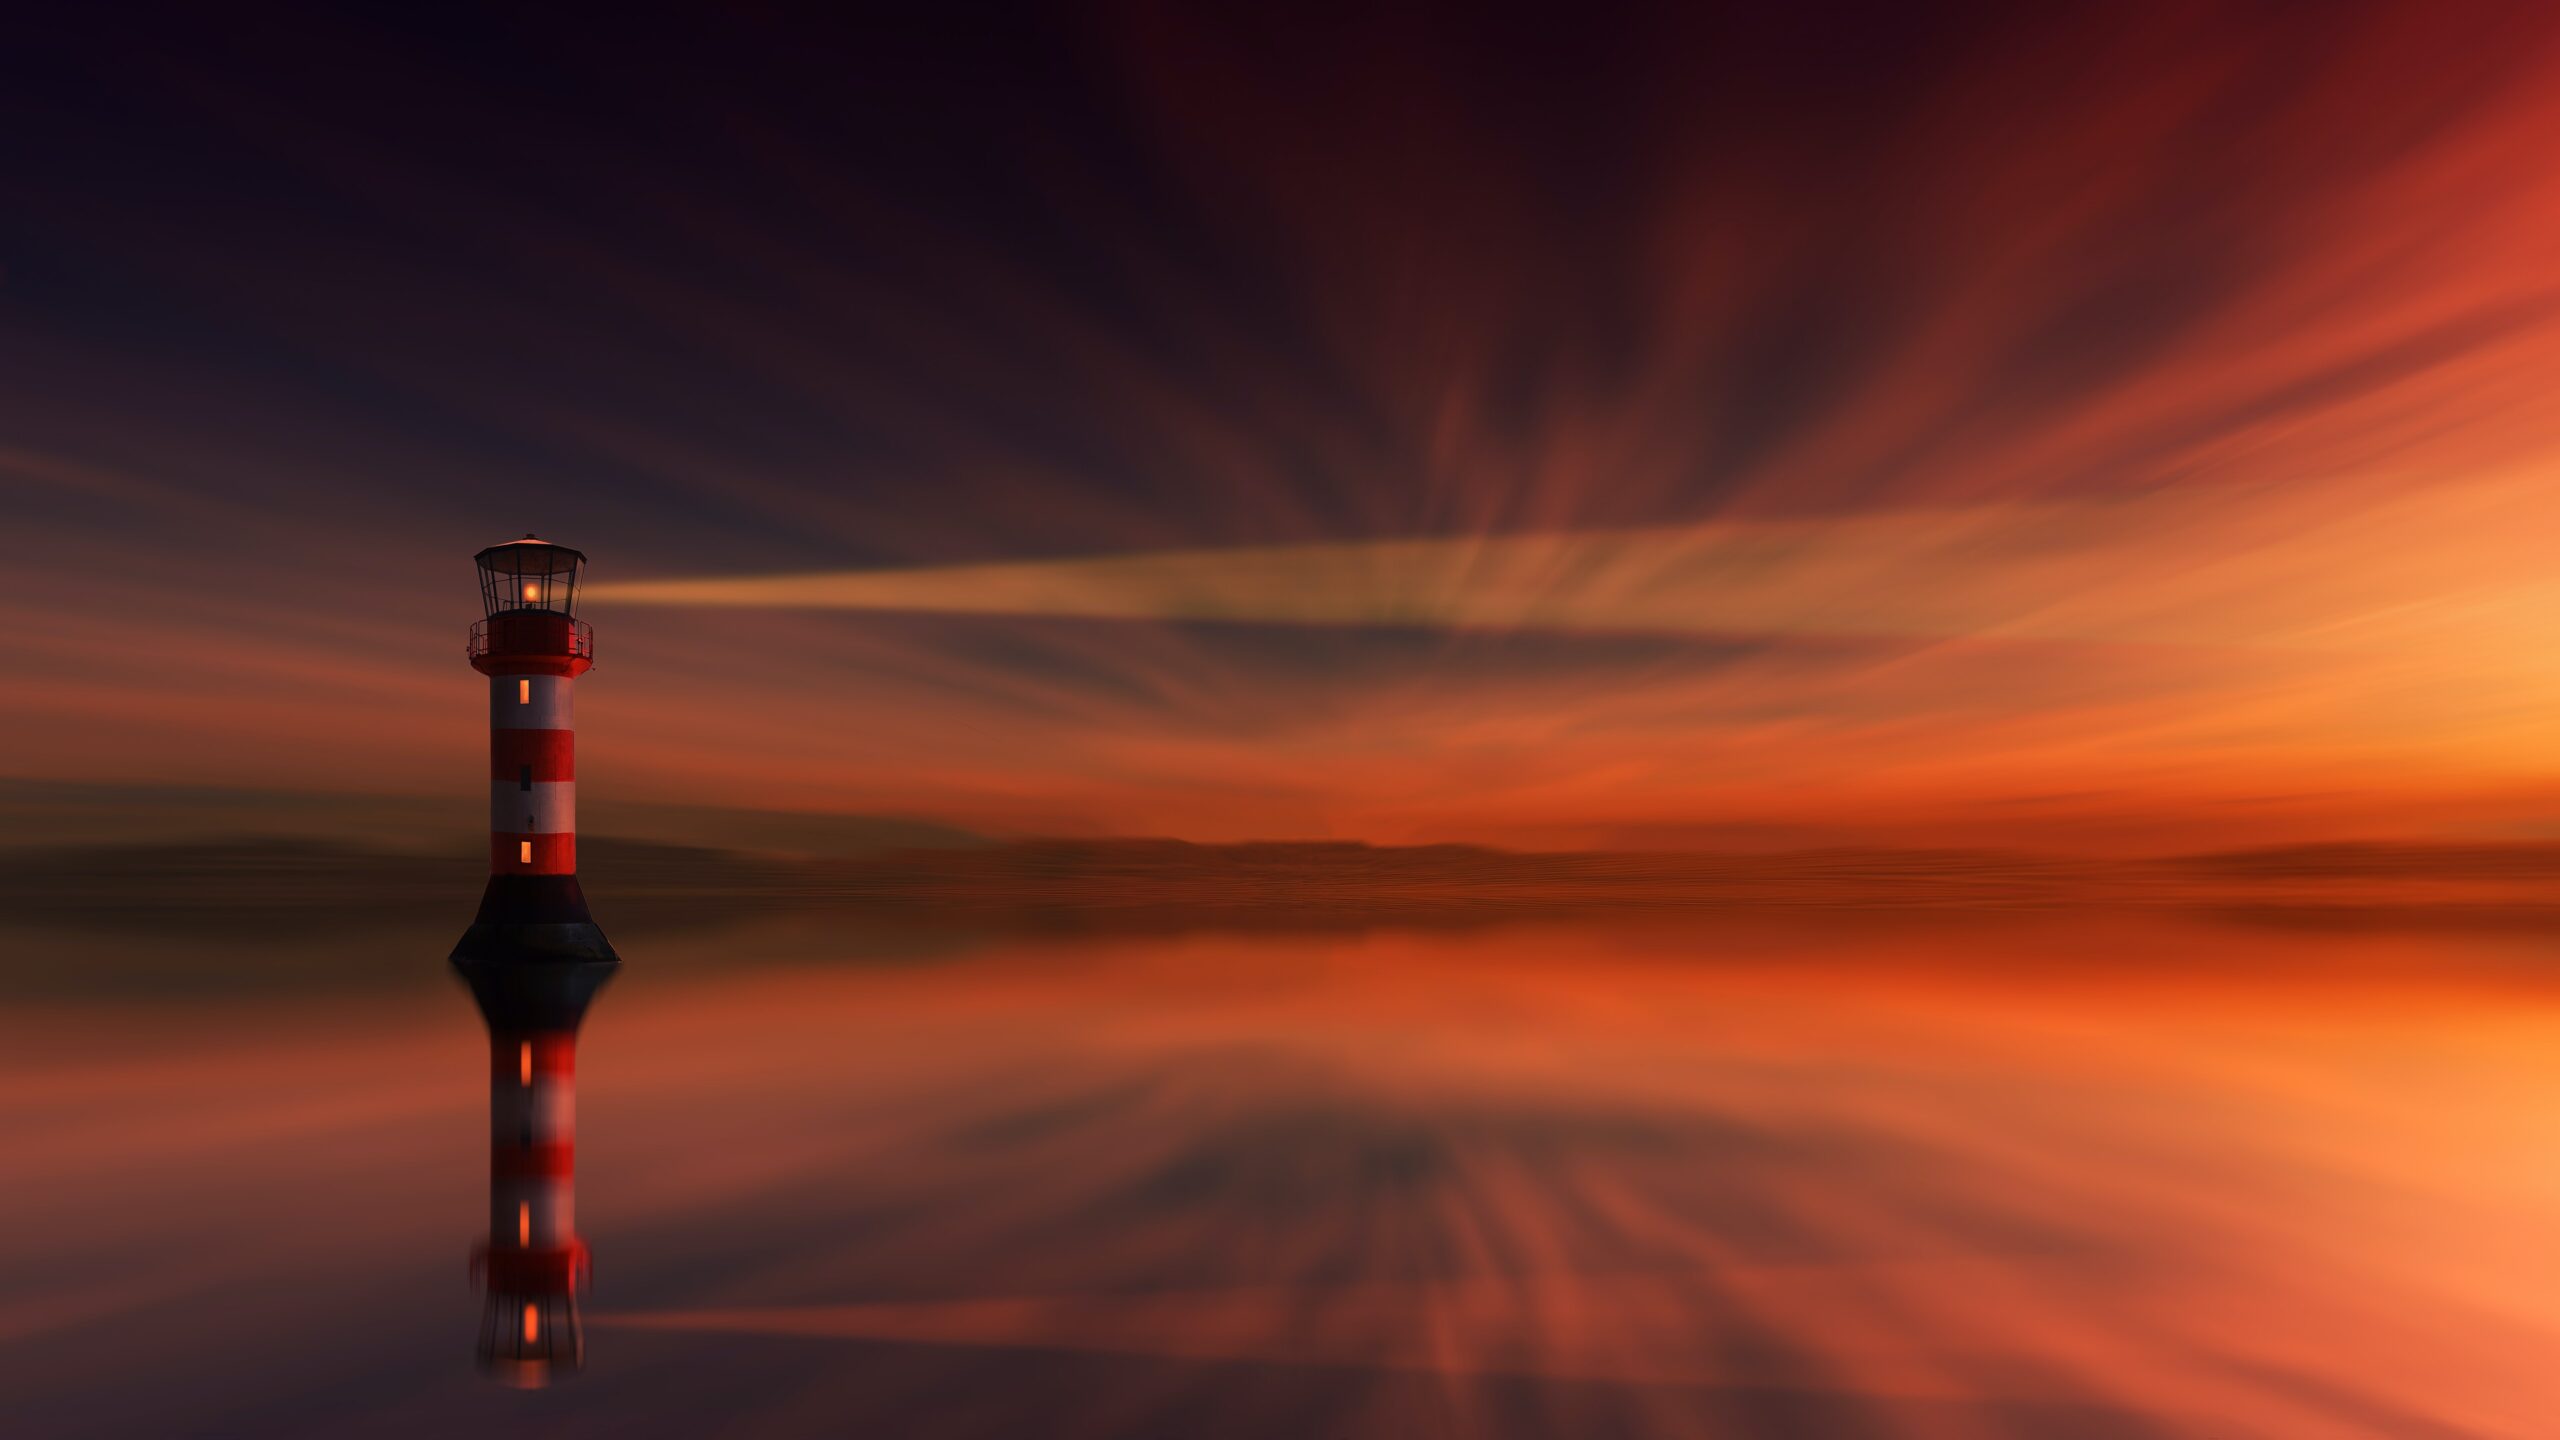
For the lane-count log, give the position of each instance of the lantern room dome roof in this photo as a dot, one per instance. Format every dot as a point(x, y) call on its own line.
point(531, 556)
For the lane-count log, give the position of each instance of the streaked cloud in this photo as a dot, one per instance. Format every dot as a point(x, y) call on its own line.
point(2065, 424)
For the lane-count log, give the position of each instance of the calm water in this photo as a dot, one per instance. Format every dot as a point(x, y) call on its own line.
point(2080, 1177)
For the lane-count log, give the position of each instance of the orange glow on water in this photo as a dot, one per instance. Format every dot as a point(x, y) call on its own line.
point(2214, 1178)
point(1632, 1152)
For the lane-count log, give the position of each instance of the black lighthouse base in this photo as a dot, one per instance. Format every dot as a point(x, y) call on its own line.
point(532, 919)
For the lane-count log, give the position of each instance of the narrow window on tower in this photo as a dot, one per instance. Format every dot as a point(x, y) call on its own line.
point(524, 777)
point(524, 852)
point(524, 692)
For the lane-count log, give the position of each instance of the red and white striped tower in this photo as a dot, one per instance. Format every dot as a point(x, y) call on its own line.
point(533, 1267)
point(533, 648)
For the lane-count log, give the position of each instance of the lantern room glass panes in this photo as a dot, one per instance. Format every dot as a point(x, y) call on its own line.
point(530, 574)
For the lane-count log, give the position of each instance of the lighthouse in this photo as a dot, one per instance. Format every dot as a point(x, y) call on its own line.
point(533, 647)
point(533, 958)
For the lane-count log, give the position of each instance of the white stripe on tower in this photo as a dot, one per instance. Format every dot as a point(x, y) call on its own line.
point(532, 702)
point(544, 807)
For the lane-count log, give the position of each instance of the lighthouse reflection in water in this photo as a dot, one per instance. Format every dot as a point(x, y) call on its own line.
point(532, 1267)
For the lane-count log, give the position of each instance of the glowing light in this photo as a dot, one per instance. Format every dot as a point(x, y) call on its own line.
point(524, 1224)
point(524, 852)
point(532, 591)
point(532, 1324)
point(524, 692)
point(524, 1063)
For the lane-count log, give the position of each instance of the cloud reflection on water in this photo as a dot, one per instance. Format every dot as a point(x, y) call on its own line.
point(2035, 1178)
point(1895, 1193)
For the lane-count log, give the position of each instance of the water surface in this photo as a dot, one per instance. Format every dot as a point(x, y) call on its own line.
point(2070, 1175)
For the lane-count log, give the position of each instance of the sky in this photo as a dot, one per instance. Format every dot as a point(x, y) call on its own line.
point(2097, 428)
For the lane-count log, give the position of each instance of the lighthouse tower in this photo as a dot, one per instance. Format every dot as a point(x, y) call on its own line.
point(533, 648)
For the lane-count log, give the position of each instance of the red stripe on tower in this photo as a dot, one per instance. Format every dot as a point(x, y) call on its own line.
point(532, 755)
point(530, 853)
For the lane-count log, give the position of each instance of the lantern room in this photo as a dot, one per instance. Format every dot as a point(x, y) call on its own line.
point(530, 574)
point(529, 596)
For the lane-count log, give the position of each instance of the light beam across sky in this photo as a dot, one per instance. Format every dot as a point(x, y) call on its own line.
point(2340, 566)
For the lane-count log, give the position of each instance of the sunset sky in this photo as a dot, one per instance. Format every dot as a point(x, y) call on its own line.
point(2129, 429)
